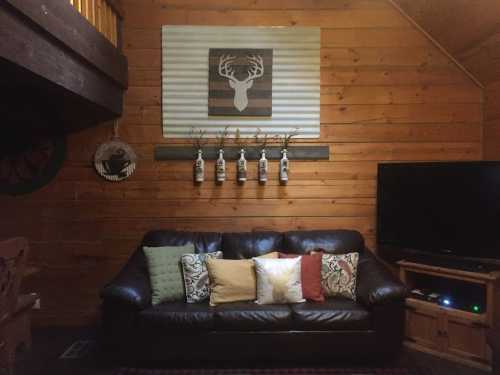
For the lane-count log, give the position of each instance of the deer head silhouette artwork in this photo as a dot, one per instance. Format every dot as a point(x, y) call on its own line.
point(255, 70)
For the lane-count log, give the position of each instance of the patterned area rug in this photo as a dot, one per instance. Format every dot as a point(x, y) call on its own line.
point(274, 371)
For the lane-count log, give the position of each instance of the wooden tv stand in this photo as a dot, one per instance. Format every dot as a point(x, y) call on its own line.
point(447, 332)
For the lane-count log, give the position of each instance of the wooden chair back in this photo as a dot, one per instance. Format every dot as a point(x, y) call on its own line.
point(13, 257)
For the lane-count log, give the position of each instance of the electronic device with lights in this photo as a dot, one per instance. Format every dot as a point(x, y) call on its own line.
point(443, 214)
point(466, 299)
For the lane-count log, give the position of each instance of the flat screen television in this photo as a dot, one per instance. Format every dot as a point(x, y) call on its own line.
point(447, 210)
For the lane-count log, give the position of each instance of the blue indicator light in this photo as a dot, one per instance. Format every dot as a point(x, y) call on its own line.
point(446, 302)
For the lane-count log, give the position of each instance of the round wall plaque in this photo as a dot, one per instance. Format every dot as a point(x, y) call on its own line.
point(115, 160)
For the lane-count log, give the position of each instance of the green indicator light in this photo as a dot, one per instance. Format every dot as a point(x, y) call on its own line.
point(475, 308)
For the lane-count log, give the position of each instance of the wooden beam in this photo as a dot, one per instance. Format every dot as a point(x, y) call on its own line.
point(74, 112)
point(22, 44)
point(251, 153)
point(62, 23)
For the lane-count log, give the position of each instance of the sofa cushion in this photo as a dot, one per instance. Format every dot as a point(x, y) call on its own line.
point(338, 275)
point(233, 280)
point(249, 316)
point(204, 242)
point(165, 271)
point(278, 280)
point(250, 244)
point(178, 316)
point(333, 314)
point(194, 270)
point(339, 241)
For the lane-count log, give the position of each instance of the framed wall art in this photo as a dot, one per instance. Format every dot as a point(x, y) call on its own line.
point(249, 78)
point(240, 82)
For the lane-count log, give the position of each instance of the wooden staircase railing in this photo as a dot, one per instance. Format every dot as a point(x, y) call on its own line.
point(104, 15)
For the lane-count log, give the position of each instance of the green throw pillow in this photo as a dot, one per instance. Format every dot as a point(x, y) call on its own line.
point(165, 271)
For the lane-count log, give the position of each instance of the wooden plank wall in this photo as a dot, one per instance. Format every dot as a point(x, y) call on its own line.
point(485, 59)
point(482, 58)
point(470, 31)
point(491, 145)
point(387, 95)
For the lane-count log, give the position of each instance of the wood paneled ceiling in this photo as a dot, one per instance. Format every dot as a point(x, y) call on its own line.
point(468, 29)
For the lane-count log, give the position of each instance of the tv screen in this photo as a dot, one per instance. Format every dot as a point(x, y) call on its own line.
point(442, 208)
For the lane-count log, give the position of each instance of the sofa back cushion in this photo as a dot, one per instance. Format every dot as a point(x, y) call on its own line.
point(250, 244)
point(339, 241)
point(204, 242)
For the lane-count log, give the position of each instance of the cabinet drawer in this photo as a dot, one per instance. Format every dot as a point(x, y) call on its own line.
point(466, 339)
point(424, 328)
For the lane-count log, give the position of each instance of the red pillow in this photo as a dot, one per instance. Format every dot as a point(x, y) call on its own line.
point(310, 275)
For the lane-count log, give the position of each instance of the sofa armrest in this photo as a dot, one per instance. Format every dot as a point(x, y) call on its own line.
point(131, 287)
point(376, 284)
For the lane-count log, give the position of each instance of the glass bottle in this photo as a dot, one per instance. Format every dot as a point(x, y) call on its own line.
point(241, 167)
point(263, 165)
point(199, 168)
point(220, 167)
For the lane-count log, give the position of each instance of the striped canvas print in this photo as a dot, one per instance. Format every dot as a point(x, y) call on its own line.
point(240, 82)
point(195, 94)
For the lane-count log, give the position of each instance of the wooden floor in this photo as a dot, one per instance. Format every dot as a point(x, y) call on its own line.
point(50, 343)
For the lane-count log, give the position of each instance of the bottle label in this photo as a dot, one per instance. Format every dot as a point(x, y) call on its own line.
point(221, 170)
point(263, 170)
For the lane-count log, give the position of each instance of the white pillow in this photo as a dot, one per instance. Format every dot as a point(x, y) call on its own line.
point(278, 280)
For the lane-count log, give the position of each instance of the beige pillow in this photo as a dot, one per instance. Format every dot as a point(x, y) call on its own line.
point(279, 280)
point(233, 280)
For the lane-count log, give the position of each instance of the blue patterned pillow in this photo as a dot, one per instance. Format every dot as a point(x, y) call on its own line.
point(195, 274)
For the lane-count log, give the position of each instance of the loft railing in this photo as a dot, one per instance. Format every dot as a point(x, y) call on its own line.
point(104, 15)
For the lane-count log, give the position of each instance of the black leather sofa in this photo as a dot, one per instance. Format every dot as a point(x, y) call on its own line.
point(370, 328)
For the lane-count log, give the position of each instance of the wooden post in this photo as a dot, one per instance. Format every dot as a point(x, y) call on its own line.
point(91, 7)
point(98, 12)
point(85, 11)
point(113, 30)
point(119, 33)
point(110, 23)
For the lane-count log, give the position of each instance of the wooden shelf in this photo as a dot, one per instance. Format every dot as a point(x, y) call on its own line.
point(417, 303)
point(251, 153)
point(449, 272)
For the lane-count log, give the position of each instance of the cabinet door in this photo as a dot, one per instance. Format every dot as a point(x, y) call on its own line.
point(465, 338)
point(423, 328)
